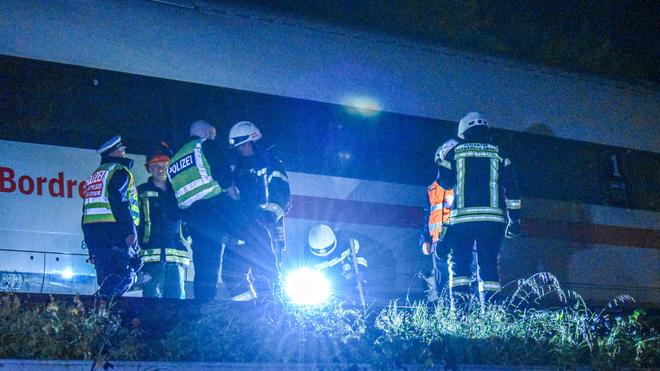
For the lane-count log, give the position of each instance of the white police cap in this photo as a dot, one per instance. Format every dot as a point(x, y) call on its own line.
point(109, 146)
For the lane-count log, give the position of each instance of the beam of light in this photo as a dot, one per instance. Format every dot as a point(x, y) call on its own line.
point(307, 287)
point(67, 273)
point(362, 105)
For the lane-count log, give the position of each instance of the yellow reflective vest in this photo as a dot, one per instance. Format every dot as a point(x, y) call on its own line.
point(96, 205)
point(190, 175)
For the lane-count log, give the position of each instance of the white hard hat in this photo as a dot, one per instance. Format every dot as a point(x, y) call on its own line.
point(322, 240)
point(470, 120)
point(243, 132)
point(442, 151)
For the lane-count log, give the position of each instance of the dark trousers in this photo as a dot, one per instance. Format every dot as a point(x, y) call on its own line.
point(254, 255)
point(206, 258)
point(462, 238)
point(113, 274)
point(167, 281)
point(441, 268)
point(207, 221)
point(111, 259)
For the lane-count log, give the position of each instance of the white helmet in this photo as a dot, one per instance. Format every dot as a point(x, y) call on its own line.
point(243, 132)
point(441, 152)
point(322, 240)
point(470, 120)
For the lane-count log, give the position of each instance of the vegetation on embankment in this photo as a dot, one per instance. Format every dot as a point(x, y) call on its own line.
point(516, 331)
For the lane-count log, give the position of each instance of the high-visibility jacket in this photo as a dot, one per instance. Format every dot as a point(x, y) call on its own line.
point(483, 181)
point(96, 205)
point(161, 229)
point(440, 200)
point(190, 175)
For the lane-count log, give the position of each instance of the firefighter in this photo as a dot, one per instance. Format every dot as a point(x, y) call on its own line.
point(253, 268)
point(110, 216)
point(486, 204)
point(164, 249)
point(344, 266)
point(201, 180)
point(431, 240)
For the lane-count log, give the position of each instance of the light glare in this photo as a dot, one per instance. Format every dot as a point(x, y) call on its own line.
point(67, 273)
point(363, 105)
point(307, 287)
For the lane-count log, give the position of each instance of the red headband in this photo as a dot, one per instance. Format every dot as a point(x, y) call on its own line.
point(158, 158)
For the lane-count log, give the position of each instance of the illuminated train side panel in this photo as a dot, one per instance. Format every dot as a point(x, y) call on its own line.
point(41, 246)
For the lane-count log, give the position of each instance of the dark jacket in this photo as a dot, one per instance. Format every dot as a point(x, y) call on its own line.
point(160, 229)
point(261, 179)
point(220, 167)
point(339, 263)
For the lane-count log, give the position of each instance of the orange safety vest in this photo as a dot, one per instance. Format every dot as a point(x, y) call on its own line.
point(441, 200)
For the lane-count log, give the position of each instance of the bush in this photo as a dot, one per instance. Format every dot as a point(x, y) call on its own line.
point(63, 330)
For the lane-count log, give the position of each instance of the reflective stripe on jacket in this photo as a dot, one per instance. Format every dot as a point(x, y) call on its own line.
point(161, 232)
point(171, 256)
point(441, 200)
point(96, 205)
point(190, 175)
point(477, 197)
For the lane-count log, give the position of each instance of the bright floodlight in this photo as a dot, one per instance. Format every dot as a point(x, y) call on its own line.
point(307, 286)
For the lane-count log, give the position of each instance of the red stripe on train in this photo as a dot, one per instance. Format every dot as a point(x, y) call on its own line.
point(401, 216)
point(356, 212)
point(595, 234)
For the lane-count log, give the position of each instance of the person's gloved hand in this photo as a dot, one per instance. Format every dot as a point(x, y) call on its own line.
point(233, 193)
point(274, 208)
point(513, 229)
point(427, 248)
point(135, 261)
point(131, 240)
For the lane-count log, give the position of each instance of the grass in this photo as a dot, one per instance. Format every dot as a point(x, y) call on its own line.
point(519, 329)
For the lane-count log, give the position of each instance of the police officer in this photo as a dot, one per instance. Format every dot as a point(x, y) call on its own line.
point(486, 199)
point(440, 200)
point(164, 249)
point(253, 268)
point(110, 216)
point(344, 266)
point(201, 180)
